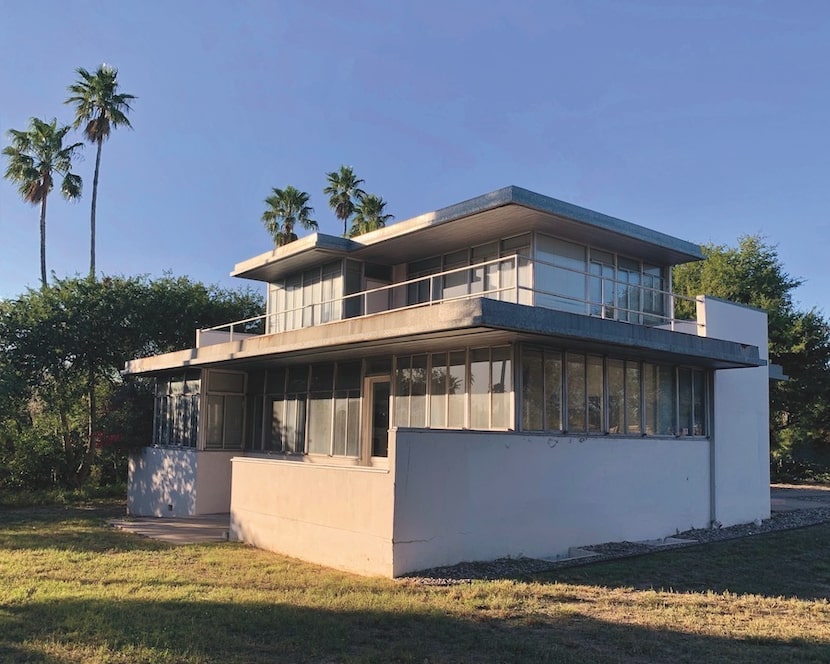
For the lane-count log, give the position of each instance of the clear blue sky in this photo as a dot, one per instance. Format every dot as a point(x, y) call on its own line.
point(705, 120)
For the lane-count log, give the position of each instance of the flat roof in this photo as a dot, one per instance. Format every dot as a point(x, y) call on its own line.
point(501, 213)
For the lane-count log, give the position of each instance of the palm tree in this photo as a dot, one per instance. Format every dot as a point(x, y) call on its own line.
point(35, 156)
point(343, 190)
point(286, 208)
point(369, 215)
point(100, 108)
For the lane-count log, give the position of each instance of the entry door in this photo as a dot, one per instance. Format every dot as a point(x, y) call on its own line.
point(378, 390)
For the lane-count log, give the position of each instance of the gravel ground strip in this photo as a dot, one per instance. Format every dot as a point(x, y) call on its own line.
point(514, 568)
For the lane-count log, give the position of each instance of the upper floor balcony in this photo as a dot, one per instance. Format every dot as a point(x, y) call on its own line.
point(630, 296)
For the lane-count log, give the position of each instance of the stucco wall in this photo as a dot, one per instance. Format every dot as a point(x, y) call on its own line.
point(162, 482)
point(741, 417)
point(340, 516)
point(167, 481)
point(479, 496)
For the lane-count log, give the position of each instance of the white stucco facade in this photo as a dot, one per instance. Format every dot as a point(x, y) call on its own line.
point(464, 496)
point(337, 516)
point(503, 377)
point(171, 482)
point(740, 430)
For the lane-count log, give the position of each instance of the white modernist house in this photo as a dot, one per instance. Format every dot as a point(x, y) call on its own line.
point(502, 377)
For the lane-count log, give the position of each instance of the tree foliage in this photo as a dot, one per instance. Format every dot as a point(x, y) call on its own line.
point(344, 193)
point(65, 345)
point(99, 108)
point(287, 208)
point(35, 156)
point(370, 215)
point(752, 274)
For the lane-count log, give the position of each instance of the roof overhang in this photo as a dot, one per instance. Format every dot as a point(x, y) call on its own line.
point(501, 213)
point(458, 324)
point(294, 257)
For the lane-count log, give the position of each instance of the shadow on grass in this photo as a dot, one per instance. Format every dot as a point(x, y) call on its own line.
point(76, 528)
point(790, 563)
point(202, 631)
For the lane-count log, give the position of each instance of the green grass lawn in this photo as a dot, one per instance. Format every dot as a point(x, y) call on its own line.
point(72, 590)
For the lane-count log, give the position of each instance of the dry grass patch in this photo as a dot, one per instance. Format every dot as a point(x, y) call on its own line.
point(72, 590)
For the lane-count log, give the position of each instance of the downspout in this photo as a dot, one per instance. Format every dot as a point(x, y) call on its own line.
point(713, 495)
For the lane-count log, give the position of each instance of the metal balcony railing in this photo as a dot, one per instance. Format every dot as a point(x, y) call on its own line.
point(515, 278)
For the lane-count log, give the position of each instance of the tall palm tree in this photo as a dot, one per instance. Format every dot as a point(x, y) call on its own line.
point(369, 215)
point(35, 157)
point(100, 108)
point(343, 190)
point(287, 208)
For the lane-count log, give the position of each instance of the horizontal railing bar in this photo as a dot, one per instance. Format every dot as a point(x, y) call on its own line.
point(515, 263)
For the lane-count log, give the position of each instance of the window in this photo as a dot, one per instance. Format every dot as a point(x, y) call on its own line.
point(496, 280)
point(411, 391)
point(580, 279)
point(423, 290)
point(575, 378)
point(560, 274)
point(610, 395)
point(313, 409)
point(691, 388)
point(346, 439)
point(457, 389)
point(225, 410)
point(439, 382)
point(660, 388)
point(177, 410)
point(320, 409)
point(309, 298)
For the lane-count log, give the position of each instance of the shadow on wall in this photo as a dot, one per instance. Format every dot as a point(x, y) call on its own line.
point(162, 482)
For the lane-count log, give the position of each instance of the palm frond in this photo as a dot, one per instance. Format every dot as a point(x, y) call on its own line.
point(286, 208)
point(99, 107)
point(71, 186)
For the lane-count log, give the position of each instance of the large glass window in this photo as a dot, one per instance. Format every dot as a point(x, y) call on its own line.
point(633, 410)
point(455, 386)
point(313, 409)
point(541, 389)
point(496, 280)
point(616, 395)
point(177, 410)
point(320, 409)
point(575, 377)
point(309, 298)
point(423, 290)
point(346, 440)
point(480, 388)
point(225, 412)
point(457, 390)
point(610, 395)
point(560, 274)
point(580, 279)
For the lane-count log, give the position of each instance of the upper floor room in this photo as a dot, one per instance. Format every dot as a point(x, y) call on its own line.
point(511, 245)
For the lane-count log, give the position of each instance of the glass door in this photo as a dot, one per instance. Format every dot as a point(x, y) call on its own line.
point(378, 390)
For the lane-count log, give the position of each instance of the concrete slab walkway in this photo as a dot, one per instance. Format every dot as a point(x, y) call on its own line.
point(190, 530)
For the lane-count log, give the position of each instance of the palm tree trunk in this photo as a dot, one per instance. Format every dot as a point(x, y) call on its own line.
point(43, 242)
point(92, 214)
